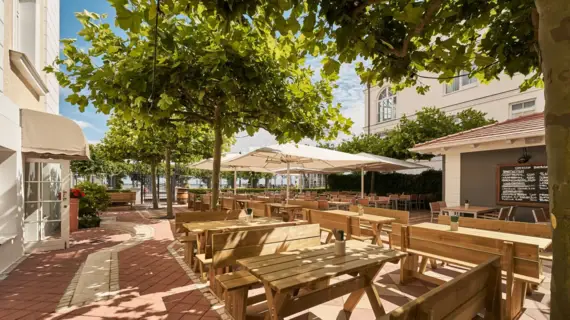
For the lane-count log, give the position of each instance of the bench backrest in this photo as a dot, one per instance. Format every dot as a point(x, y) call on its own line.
point(305, 204)
point(402, 217)
point(522, 228)
point(231, 246)
point(461, 298)
point(228, 203)
point(197, 216)
point(259, 209)
point(123, 196)
point(331, 221)
point(475, 249)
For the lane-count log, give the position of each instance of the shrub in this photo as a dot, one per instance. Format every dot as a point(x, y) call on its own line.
point(96, 199)
point(89, 221)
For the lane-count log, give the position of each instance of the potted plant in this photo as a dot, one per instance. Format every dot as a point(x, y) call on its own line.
point(95, 200)
point(74, 197)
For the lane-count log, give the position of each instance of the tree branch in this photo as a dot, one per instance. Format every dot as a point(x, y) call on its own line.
point(433, 7)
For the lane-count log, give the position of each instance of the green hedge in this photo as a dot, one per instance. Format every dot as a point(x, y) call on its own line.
point(253, 190)
point(428, 182)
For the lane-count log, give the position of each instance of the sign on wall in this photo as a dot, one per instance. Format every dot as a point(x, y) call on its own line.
point(522, 185)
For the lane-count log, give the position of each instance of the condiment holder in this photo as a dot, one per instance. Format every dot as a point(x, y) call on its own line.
point(454, 223)
point(339, 243)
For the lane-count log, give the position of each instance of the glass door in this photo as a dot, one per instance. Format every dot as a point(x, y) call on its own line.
point(46, 202)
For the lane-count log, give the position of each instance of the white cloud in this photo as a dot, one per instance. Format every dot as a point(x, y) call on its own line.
point(93, 141)
point(86, 125)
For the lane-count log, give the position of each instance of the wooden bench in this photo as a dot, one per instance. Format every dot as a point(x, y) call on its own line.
point(329, 221)
point(191, 199)
point(231, 246)
point(229, 203)
point(402, 217)
point(520, 262)
point(205, 203)
point(123, 197)
point(307, 205)
point(523, 228)
point(189, 240)
point(461, 298)
point(260, 209)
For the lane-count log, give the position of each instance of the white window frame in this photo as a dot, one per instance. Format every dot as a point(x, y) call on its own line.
point(460, 84)
point(523, 111)
point(17, 31)
point(380, 109)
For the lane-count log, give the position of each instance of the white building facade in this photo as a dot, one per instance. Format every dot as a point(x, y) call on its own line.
point(500, 99)
point(36, 143)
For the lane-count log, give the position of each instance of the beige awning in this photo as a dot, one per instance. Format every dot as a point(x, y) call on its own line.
point(52, 136)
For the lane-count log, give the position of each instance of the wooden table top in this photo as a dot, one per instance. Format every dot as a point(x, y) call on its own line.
point(542, 243)
point(248, 200)
point(285, 205)
point(344, 212)
point(471, 209)
point(293, 269)
point(198, 227)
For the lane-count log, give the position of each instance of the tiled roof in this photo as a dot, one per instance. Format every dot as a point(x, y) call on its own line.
point(526, 126)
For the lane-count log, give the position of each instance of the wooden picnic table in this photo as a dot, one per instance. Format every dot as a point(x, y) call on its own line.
point(283, 273)
point(376, 222)
point(239, 224)
point(542, 243)
point(473, 210)
point(289, 209)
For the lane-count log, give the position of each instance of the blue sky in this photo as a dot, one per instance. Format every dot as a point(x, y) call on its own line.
point(349, 92)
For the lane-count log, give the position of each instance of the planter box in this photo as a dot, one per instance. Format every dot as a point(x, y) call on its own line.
point(73, 214)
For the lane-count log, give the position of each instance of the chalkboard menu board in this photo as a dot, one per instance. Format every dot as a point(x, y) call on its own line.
point(522, 184)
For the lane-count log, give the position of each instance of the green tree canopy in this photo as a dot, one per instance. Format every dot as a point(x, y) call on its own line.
point(230, 76)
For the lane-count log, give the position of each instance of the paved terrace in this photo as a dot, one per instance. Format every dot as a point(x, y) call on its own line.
point(132, 268)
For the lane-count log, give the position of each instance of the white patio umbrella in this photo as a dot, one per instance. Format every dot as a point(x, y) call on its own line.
point(303, 156)
point(208, 164)
point(379, 164)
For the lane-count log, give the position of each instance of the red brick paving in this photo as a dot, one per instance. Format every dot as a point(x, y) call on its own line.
point(152, 283)
point(37, 284)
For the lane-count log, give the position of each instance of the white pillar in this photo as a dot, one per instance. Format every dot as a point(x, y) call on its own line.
point(452, 176)
point(362, 182)
point(288, 182)
point(235, 181)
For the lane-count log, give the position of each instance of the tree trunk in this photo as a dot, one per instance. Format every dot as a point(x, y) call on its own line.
point(554, 39)
point(153, 185)
point(168, 180)
point(142, 188)
point(217, 157)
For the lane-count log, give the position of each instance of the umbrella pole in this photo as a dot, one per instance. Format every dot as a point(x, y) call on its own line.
point(235, 181)
point(288, 182)
point(362, 182)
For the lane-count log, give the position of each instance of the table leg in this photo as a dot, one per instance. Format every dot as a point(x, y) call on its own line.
point(190, 252)
point(275, 302)
point(377, 230)
point(372, 293)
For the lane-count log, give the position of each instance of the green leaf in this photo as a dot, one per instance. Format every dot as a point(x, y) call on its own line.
point(309, 23)
point(330, 66)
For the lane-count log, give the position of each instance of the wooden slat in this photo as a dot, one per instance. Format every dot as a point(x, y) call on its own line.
point(335, 270)
point(300, 262)
point(476, 242)
point(402, 217)
point(251, 238)
point(229, 247)
point(303, 266)
point(542, 243)
point(330, 220)
point(460, 298)
point(305, 204)
point(521, 228)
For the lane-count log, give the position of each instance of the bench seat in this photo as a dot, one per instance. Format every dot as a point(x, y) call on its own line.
point(237, 280)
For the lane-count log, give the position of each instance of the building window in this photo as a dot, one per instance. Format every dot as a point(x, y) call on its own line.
point(463, 81)
point(386, 105)
point(26, 29)
point(523, 108)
